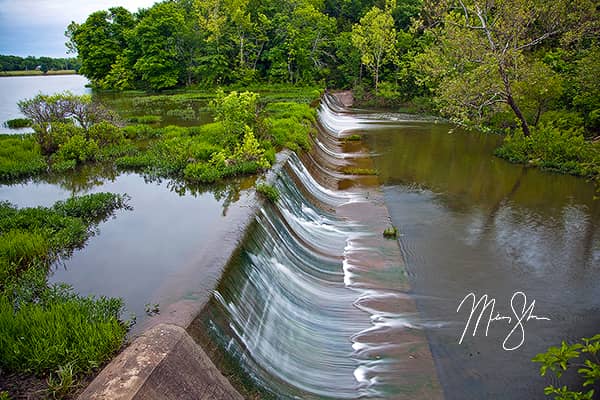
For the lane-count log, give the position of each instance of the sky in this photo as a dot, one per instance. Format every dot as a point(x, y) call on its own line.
point(36, 27)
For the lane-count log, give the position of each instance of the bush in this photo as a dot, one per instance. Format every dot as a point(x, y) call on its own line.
point(18, 123)
point(550, 147)
point(106, 134)
point(202, 173)
point(77, 149)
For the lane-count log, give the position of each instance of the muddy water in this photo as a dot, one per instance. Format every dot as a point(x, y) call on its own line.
point(471, 222)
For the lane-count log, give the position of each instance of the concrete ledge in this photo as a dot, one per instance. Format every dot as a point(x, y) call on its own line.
point(163, 363)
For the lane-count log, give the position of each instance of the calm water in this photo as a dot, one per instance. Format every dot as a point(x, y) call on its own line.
point(141, 254)
point(16, 88)
point(473, 223)
point(172, 110)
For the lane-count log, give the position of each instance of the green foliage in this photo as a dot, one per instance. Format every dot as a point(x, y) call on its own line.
point(105, 134)
point(235, 111)
point(375, 37)
point(18, 123)
point(50, 329)
point(583, 355)
point(551, 147)
point(20, 157)
point(40, 337)
point(270, 192)
point(391, 232)
point(78, 149)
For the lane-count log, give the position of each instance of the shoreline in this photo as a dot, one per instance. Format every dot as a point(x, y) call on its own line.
point(37, 73)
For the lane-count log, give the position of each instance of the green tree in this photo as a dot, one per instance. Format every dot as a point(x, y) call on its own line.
point(375, 37)
point(156, 42)
point(482, 49)
point(100, 40)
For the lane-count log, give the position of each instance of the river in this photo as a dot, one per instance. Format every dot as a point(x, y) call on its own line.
point(295, 316)
point(314, 305)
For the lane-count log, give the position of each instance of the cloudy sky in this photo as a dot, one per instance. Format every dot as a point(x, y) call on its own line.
point(36, 27)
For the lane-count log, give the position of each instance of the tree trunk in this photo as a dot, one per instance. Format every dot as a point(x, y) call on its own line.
point(511, 101)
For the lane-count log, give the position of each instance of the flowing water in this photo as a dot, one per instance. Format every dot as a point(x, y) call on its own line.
point(314, 306)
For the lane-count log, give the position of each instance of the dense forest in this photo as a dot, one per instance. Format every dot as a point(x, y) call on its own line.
point(473, 60)
point(16, 63)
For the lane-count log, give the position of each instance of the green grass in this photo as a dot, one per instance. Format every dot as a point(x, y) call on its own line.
point(20, 157)
point(41, 337)
point(50, 329)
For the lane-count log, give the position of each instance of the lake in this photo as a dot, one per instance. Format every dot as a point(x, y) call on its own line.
point(16, 88)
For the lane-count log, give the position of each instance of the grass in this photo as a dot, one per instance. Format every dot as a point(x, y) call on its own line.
point(20, 157)
point(48, 330)
point(268, 191)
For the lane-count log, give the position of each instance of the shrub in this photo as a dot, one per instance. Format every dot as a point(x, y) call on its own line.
point(106, 134)
point(18, 123)
point(235, 111)
point(550, 147)
point(202, 173)
point(77, 149)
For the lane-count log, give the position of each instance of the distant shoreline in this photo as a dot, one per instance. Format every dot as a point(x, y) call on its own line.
point(38, 73)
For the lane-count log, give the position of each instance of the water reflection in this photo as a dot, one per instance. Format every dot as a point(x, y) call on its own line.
point(472, 222)
point(168, 235)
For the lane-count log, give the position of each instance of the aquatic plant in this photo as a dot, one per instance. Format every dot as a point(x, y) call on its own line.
point(18, 123)
point(359, 171)
point(270, 192)
point(390, 232)
point(20, 157)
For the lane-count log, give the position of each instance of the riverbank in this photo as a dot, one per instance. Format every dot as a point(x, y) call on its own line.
point(38, 73)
